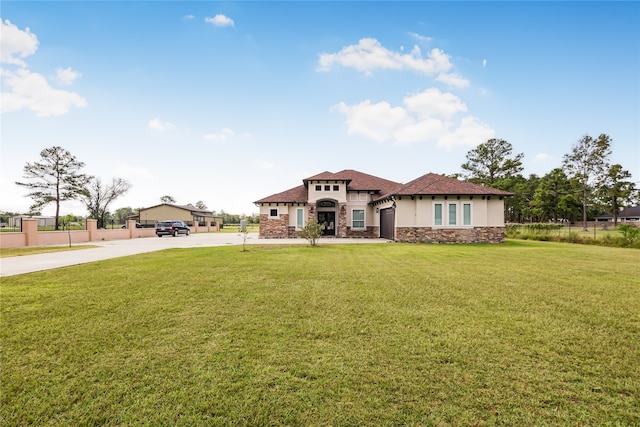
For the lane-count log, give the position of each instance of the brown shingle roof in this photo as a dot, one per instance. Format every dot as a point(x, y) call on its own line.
point(356, 181)
point(294, 195)
point(434, 184)
point(429, 184)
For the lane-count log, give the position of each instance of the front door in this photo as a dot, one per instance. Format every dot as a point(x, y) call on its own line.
point(329, 221)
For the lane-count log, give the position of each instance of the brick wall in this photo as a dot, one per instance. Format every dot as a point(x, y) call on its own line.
point(274, 228)
point(450, 235)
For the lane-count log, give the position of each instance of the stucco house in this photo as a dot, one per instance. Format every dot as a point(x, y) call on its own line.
point(192, 215)
point(431, 208)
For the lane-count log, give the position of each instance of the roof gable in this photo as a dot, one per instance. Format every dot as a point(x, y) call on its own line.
point(294, 195)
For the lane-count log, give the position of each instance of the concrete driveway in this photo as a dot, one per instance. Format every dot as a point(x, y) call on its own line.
point(117, 248)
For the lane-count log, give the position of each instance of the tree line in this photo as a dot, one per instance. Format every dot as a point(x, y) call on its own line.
point(584, 186)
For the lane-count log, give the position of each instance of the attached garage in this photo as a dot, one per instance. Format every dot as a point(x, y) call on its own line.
point(387, 223)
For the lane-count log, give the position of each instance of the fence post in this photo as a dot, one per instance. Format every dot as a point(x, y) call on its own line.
point(92, 228)
point(30, 229)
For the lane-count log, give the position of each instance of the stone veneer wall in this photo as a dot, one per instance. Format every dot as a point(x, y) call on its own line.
point(450, 235)
point(274, 228)
point(371, 232)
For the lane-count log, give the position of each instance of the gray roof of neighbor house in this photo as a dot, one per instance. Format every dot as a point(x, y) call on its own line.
point(429, 184)
point(631, 212)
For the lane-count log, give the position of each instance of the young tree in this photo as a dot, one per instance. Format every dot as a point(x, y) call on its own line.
point(492, 161)
point(615, 190)
point(201, 205)
point(97, 197)
point(312, 231)
point(54, 179)
point(587, 163)
point(167, 199)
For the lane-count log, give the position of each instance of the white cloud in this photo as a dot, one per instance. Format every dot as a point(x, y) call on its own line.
point(223, 135)
point(375, 121)
point(484, 63)
point(133, 172)
point(469, 132)
point(369, 55)
point(188, 17)
point(263, 164)
point(32, 91)
point(159, 125)
point(14, 41)
point(543, 156)
point(220, 21)
point(429, 116)
point(433, 103)
point(420, 38)
point(453, 79)
point(67, 76)
point(23, 89)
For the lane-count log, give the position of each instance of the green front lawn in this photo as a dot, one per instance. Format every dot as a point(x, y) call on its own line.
point(523, 333)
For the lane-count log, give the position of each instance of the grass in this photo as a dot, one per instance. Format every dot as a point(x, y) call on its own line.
point(11, 252)
point(235, 228)
point(524, 333)
point(606, 235)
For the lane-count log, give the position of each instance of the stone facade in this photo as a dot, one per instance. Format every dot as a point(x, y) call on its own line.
point(274, 228)
point(450, 235)
point(371, 232)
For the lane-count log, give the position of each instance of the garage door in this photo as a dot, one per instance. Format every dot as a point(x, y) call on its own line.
point(387, 223)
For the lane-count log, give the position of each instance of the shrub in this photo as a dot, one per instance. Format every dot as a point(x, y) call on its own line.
point(312, 231)
point(629, 233)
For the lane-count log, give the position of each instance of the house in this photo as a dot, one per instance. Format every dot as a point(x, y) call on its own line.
point(192, 215)
point(631, 214)
point(43, 221)
point(431, 208)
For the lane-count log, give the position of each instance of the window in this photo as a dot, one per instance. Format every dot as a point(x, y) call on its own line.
point(466, 214)
point(336, 188)
point(327, 188)
point(299, 218)
point(318, 187)
point(357, 218)
point(437, 214)
point(273, 213)
point(452, 213)
point(326, 204)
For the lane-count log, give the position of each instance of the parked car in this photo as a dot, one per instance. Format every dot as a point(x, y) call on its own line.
point(172, 228)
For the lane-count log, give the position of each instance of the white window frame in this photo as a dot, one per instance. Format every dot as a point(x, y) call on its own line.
point(455, 216)
point(299, 218)
point(442, 213)
point(470, 213)
point(364, 219)
point(277, 212)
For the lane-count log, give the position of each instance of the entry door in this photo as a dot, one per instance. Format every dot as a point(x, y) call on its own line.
point(387, 223)
point(329, 221)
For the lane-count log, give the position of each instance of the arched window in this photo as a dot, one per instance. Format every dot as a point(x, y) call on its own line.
point(326, 204)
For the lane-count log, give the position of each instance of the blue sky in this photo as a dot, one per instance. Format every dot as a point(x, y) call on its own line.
point(229, 102)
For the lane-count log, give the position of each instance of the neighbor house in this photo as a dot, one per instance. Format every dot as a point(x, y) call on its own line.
point(192, 215)
point(630, 214)
point(431, 208)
